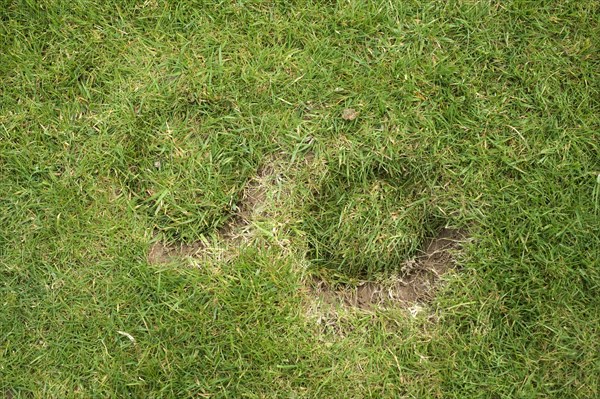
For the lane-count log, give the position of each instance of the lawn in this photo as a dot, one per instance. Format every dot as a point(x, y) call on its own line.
point(188, 189)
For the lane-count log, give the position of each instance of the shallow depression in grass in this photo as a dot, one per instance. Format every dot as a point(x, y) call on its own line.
point(369, 227)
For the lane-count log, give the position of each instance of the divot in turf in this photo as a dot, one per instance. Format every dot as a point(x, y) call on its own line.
point(417, 286)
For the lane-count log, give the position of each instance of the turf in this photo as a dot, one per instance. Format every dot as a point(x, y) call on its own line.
point(123, 123)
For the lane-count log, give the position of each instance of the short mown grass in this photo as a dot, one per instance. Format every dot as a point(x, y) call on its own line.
point(123, 123)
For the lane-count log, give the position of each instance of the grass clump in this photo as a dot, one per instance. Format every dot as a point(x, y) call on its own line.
point(367, 229)
point(189, 184)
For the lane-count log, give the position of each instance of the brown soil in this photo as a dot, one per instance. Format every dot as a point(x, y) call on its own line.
point(417, 286)
point(349, 114)
point(161, 253)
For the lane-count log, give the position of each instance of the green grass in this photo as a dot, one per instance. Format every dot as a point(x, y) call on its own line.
point(368, 228)
point(125, 122)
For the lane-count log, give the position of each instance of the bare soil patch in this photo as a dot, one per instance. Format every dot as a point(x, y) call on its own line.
point(161, 253)
point(417, 285)
point(349, 114)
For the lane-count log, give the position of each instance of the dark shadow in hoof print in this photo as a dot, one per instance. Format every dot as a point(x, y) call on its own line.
point(416, 285)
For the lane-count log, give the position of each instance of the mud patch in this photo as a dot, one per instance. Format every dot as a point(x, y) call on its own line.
point(417, 284)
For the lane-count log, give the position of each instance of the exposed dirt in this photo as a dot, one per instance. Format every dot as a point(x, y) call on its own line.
point(161, 253)
point(349, 114)
point(417, 286)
